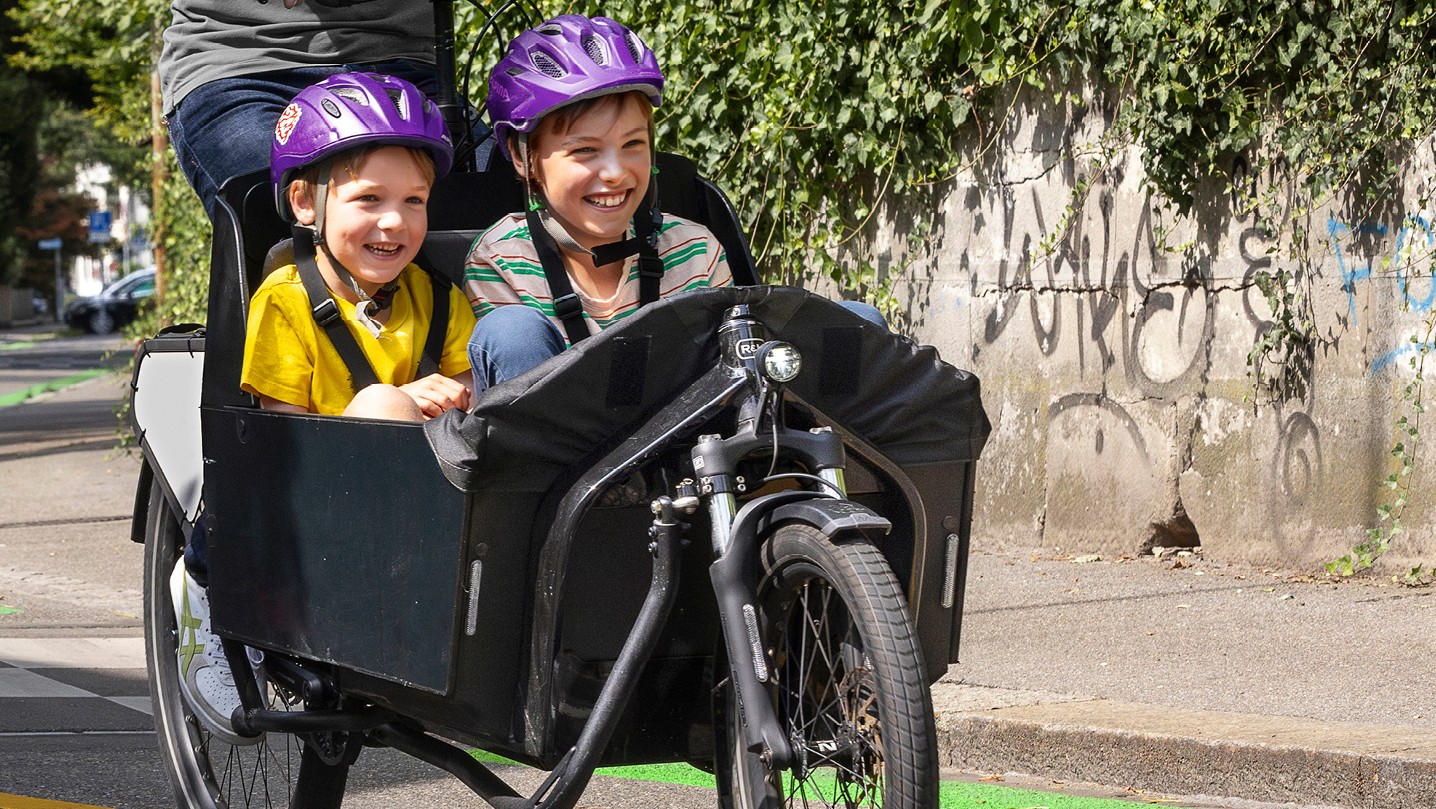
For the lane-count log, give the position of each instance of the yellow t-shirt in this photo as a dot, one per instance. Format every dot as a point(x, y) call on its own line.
point(287, 356)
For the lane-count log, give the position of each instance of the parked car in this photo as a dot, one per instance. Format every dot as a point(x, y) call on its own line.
point(115, 306)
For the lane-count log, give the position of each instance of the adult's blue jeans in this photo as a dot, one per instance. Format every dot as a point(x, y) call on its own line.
point(512, 339)
point(224, 128)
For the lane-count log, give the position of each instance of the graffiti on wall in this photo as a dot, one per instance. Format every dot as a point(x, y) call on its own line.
point(1130, 310)
point(1116, 302)
point(1410, 263)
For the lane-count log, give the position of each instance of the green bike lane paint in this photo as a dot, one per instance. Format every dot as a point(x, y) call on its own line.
point(952, 794)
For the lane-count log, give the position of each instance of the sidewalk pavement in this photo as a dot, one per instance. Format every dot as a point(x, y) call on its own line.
point(1188, 676)
point(1177, 675)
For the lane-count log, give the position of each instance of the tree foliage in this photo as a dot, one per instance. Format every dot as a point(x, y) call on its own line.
point(19, 156)
point(111, 44)
point(105, 41)
point(87, 68)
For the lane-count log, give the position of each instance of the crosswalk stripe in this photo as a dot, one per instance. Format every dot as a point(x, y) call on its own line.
point(94, 653)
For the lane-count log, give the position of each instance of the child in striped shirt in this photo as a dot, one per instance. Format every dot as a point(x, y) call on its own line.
point(572, 105)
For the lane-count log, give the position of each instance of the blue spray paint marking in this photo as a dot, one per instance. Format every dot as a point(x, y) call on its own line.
point(1396, 354)
point(1416, 232)
point(1414, 222)
point(1335, 230)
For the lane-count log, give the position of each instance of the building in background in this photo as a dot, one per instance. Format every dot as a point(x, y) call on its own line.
point(124, 238)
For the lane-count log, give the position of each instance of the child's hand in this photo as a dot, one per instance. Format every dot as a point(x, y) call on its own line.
point(436, 394)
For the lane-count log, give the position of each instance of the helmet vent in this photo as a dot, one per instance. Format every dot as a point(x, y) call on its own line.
point(635, 46)
point(550, 30)
point(547, 66)
point(397, 99)
point(351, 94)
point(596, 50)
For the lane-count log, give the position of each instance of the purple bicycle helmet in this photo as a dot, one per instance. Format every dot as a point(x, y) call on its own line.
point(348, 110)
point(564, 60)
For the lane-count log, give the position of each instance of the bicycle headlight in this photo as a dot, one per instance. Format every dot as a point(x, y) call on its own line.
point(780, 361)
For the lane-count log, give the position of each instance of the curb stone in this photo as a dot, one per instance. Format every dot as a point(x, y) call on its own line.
point(1174, 750)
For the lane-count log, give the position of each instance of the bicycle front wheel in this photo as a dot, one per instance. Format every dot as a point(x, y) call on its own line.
point(846, 681)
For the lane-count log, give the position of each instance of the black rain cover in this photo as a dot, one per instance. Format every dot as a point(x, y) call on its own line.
point(897, 395)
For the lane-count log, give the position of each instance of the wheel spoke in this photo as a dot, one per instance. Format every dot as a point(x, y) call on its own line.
point(831, 705)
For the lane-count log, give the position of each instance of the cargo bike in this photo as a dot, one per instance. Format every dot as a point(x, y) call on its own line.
point(731, 531)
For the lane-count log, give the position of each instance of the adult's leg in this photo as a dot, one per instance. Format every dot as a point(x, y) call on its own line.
point(224, 128)
point(508, 341)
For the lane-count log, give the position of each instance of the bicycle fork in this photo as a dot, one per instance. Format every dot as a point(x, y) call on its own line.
point(737, 532)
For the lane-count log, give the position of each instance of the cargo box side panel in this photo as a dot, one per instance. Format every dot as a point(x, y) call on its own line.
point(484, 707)
point(947, 492)
point(334, 539)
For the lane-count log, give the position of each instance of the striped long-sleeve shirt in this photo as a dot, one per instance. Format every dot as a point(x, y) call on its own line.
point(503, 269)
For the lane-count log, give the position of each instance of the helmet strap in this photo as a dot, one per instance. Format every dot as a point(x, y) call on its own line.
point(548, 235)
point(321, 200)
point(532, 193)
point(647, 221)
point(369, 306)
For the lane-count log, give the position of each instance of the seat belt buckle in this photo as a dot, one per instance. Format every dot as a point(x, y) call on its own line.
point(567, 306)
point(650, 266)
point(326, 312)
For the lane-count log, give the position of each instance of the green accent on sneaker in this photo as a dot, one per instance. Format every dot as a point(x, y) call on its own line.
point(189, 644)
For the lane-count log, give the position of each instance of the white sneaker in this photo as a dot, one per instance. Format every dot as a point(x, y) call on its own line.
point(204, 674)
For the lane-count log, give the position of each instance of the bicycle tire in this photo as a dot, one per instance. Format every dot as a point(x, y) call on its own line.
point(846, 678)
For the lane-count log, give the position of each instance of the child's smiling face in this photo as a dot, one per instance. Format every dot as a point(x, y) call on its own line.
point(594, 174)
point(376, 215)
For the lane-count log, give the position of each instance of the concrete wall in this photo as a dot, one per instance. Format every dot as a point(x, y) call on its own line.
point(1114, 364)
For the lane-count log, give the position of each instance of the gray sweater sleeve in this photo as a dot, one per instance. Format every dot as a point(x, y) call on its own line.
point(217, 39)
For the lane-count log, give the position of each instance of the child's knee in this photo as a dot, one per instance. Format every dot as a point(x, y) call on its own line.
point(508, 341)
point(384, 402)
point(866, 311)
point(518, 322)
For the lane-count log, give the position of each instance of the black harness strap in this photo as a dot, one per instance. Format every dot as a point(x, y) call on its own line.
point(566, 305)
point(438, 327)
point(326, 312)
point(646, 226)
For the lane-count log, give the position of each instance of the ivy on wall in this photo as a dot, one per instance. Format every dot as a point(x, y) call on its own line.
point(811, 111)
